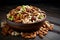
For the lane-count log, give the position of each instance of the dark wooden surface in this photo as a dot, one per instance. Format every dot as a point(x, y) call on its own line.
point(52, 15)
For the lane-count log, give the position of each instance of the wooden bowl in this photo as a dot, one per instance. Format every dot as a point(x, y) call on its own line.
point(26, 27)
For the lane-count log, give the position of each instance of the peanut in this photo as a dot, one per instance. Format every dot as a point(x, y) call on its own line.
point(28, 35)
point(41, 36)
point(44, 32)
point(51, 26)
point(44, 25)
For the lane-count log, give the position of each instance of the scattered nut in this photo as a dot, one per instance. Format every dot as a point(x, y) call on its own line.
point(5, 30)
point(3, 24)
point(45, 29)
point(37, 32)
point(44, 25)
point(41, 32)
point(41, 36)
point(10, 31)
point(28, 35)
point(47, 24)
point(44, 32)
point(15, 33)
point(51, 26)
point(41, 28)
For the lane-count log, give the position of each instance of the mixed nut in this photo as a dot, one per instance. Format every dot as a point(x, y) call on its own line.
point(25, 12)
point(41, 32)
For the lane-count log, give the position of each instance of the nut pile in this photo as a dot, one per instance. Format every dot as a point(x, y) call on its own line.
point(41, 32)
point(26, 12)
